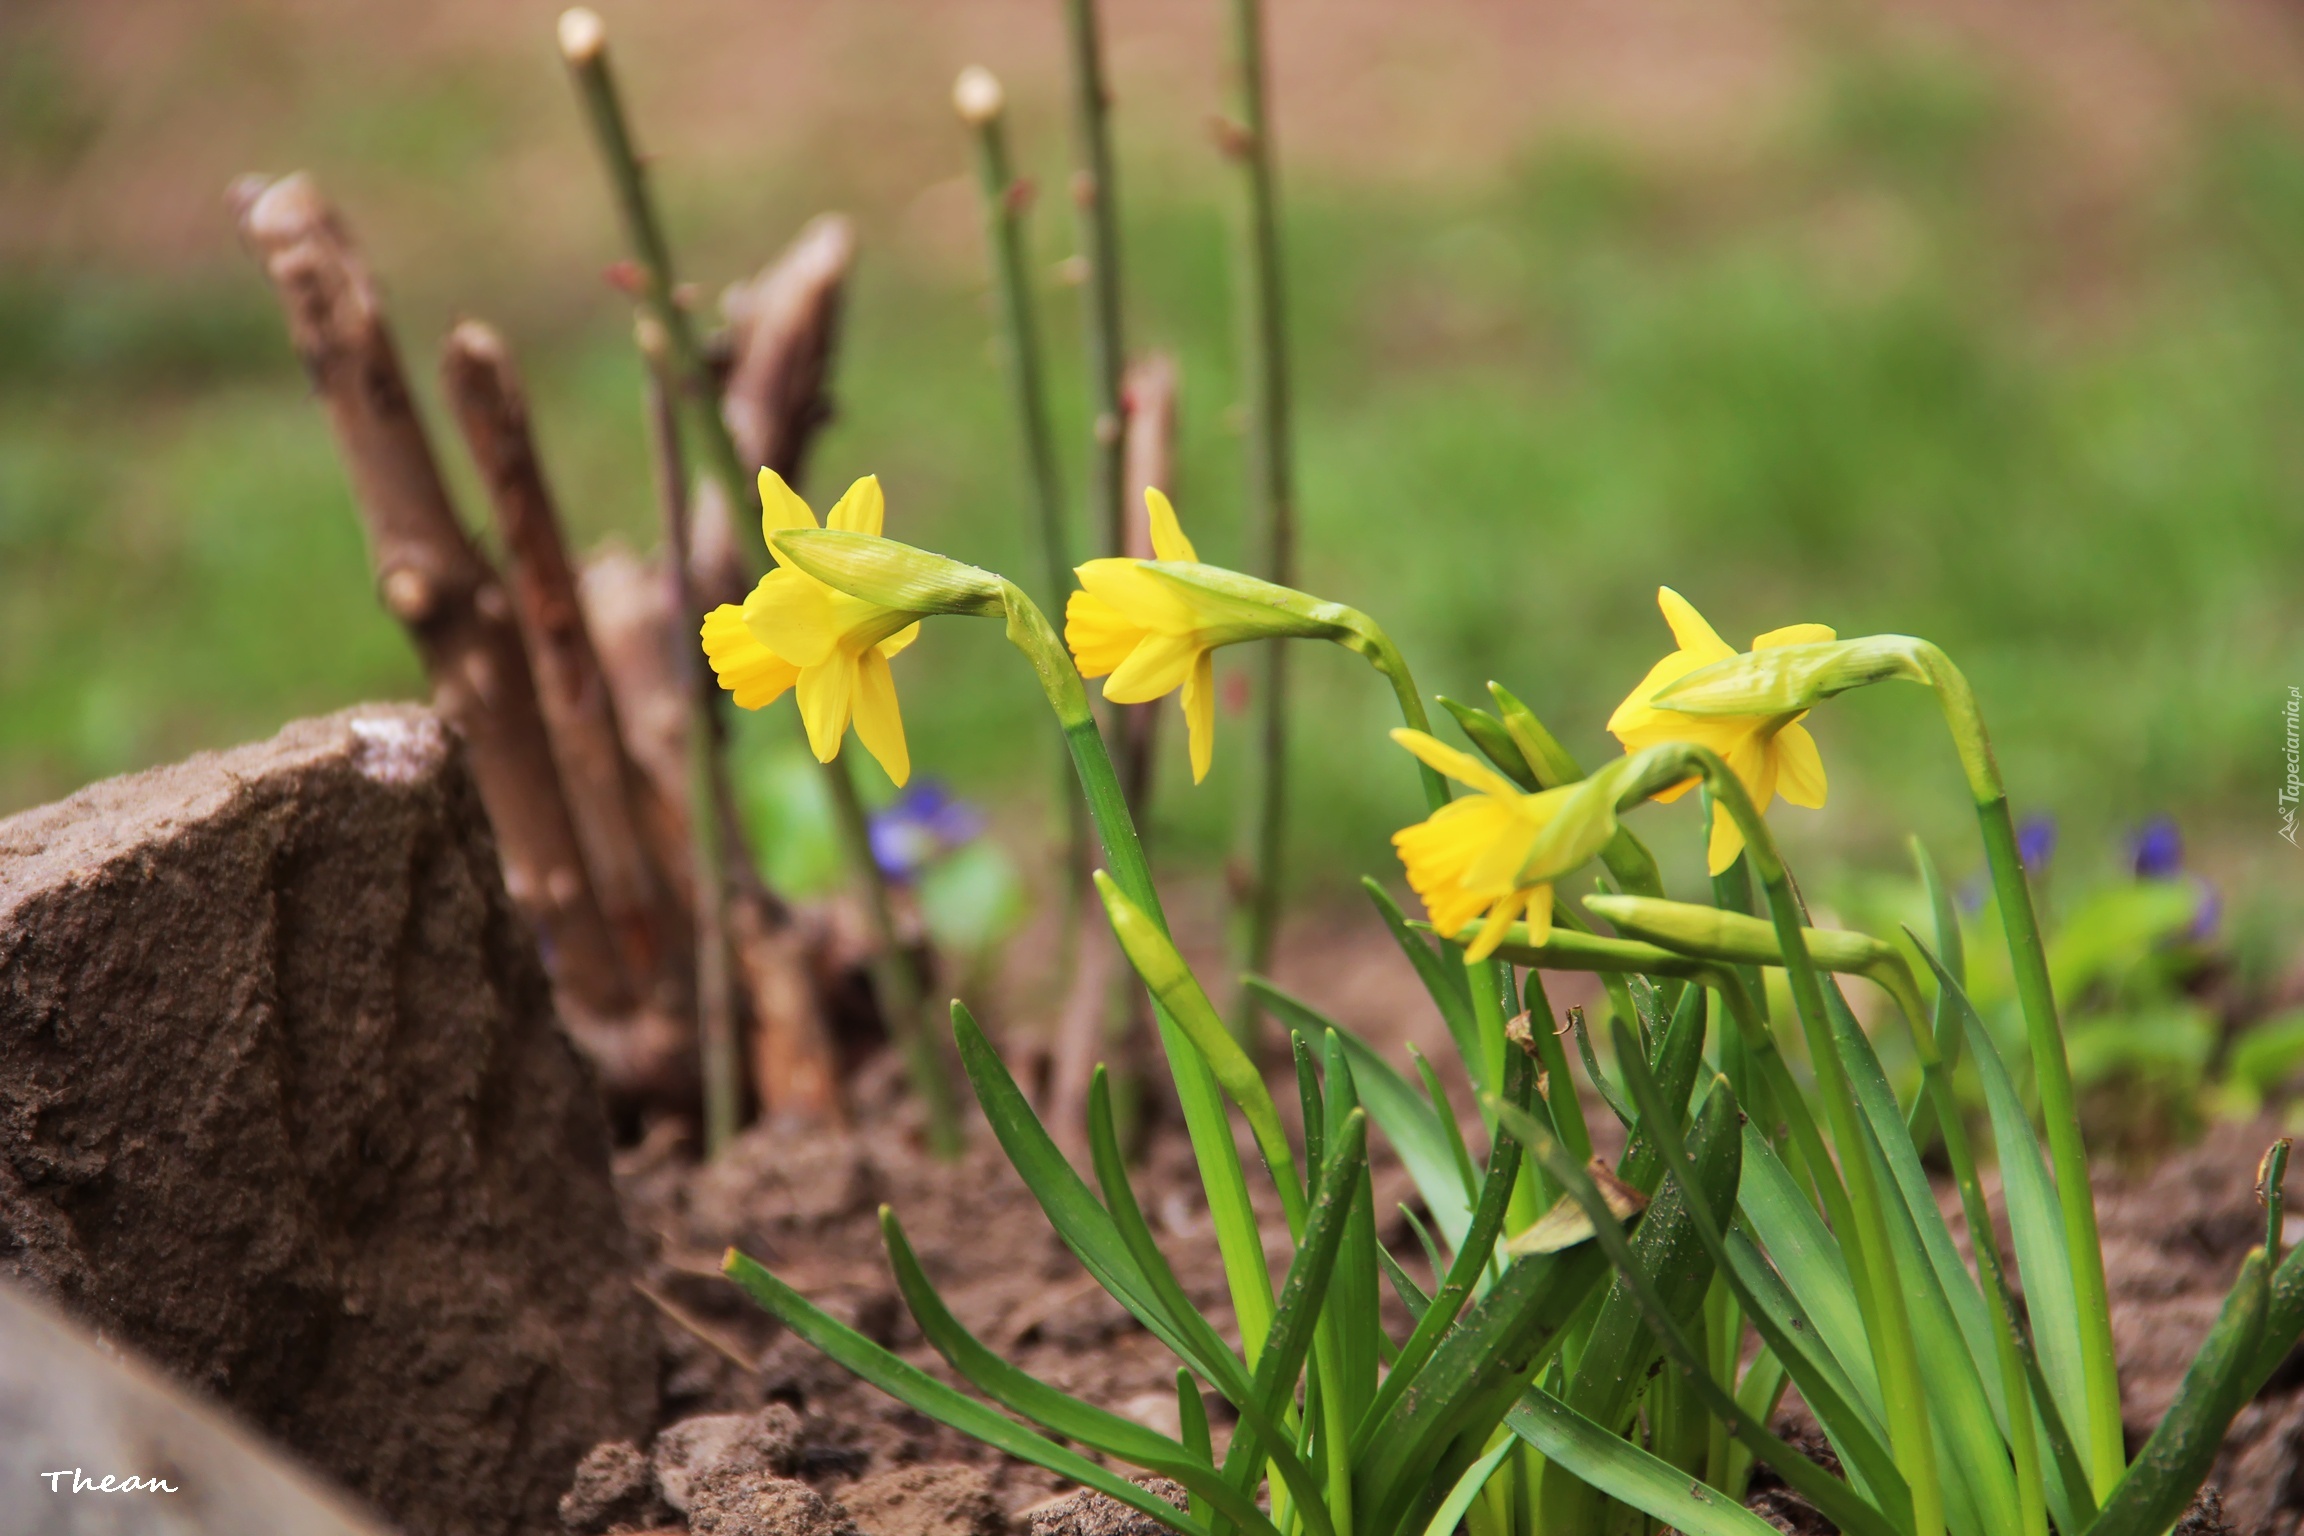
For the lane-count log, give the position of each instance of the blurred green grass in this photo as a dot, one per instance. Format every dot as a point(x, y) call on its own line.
point(1857, 382)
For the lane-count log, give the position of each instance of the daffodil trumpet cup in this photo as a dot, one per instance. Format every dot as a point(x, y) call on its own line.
point(1786, 680)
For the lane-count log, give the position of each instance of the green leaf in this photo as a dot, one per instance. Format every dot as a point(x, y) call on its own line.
point(1352, 1301)
point(1065, 1415)
point(1613, 1365)
point(1404, 1285)
point(1457, 1282)
point(2037, 1222)
point(1444, 1519)
point(1297, 1316)
point(923, 1393)
point(1444, 1115)
point(2169, 1470)
point(1084, 1226)
point(1244, 1392)
point(1835, 1499)
point(1625, 1472)
point(1445, 980)
point(1178, 990)
point(1487, 733)
point(1402, 1113)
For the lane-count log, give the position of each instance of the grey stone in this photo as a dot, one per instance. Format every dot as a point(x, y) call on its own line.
point(284, 1106)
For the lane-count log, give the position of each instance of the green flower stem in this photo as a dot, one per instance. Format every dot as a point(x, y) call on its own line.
point(1271, 477)
point(1247, 1274)
point(720, 1057)
point(584, 44)
point(1895, 1356)
point(2051, 1069)
point(1096, 207)
point(898, 980)
point(1005, 200)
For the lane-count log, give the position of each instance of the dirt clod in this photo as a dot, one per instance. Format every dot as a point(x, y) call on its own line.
point(1089, 1513)
point(284, 1106)
point(731, 1500)
point(614, 1492)
point(687, 1452)
point(940, 1499)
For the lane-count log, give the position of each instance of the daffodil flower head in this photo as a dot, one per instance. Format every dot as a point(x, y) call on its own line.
point(1148, 635)
point(1465, 859)
point(1769, 754)
point(795, 632)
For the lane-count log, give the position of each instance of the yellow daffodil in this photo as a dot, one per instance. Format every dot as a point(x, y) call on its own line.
point(794, 632)
point(1770, 754)
point(1465, 859)
point(1147, 637)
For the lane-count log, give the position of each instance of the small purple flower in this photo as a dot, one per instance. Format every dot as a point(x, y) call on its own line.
point(919, 826)
point(2036, 843)
point(2209, 915)
point(2157, 851)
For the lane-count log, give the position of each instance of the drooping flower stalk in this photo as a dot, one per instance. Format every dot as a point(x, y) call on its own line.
point(1794, 677)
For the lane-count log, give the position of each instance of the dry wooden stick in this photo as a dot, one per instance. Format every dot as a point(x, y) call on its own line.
point(1149, 397)
point(604, 787)
point(1148, 394)
point(432, 578)
point(783, 323)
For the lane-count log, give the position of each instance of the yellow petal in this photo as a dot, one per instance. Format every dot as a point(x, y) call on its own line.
point(1492, 931)
point(861, 508)
point(796, 616)
point(1799, 767)
point(1098, 633)
point(1795, 634)
point(878, 724)
point(1636, 716)
point(1753, 761)
point(1460, 766)
point(1200, 713)
point(1155, 669)
point(827, 693)
point(898, 641)
point(1539, 914)
point(1689, 629)
point(1727, 842)
point(780, 508)
point(756, 675)
point(1139, 596)
point(1168, 541)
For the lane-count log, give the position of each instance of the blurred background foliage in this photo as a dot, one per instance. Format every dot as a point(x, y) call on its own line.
point(1906, 317)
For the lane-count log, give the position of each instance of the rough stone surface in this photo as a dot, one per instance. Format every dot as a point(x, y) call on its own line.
point(69, 1402)
point(613, 1491)
point(1089, 1513)
point(732, 1500)
point(283, 1105)
point(938, 1499)
point(766, 1441)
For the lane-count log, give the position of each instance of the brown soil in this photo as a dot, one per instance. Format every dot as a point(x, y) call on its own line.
point(808, 1208)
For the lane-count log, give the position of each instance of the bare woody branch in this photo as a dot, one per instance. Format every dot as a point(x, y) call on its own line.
point(432, 578)
point(783, 325)
point(604, 788)
point(1148, 395)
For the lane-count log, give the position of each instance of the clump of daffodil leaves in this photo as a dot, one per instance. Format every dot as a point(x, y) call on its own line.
point(1590, 1344)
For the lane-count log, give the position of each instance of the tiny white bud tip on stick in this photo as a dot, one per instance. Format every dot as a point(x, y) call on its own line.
point(582, 34)
point(977, 96)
